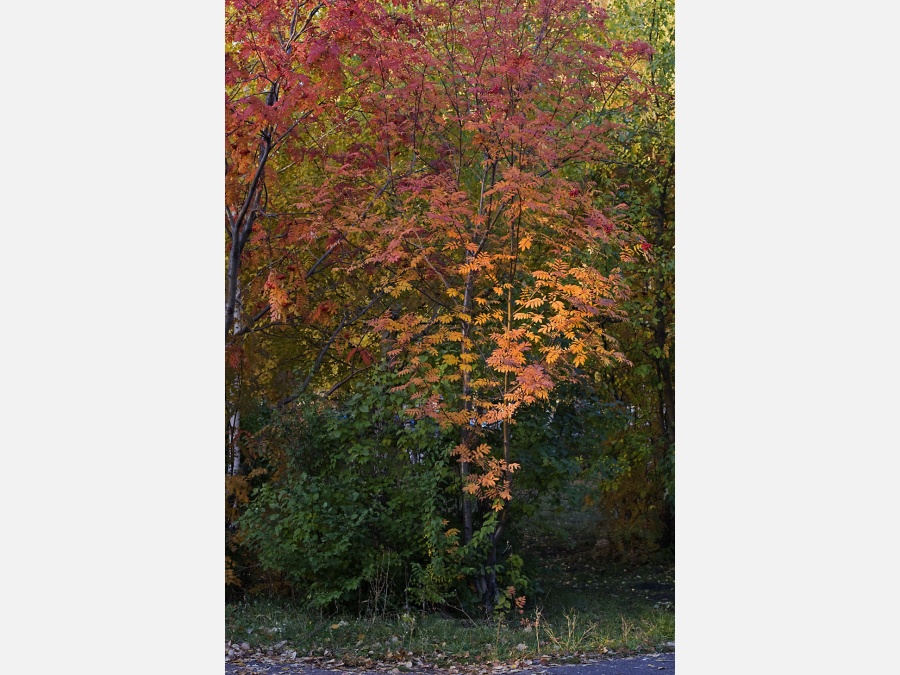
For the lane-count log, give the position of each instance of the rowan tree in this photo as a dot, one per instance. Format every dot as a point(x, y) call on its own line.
point(476, 132)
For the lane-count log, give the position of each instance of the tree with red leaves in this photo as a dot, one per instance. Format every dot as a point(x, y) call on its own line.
point(480, 121)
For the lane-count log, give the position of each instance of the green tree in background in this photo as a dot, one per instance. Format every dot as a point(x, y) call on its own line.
point(637, 498)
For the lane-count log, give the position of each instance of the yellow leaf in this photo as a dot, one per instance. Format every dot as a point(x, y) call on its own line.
point(531, 303)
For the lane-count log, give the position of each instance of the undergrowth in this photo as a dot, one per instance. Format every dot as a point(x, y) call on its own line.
point(582, 606)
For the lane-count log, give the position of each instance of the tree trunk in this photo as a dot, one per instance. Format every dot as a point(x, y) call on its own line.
point(234, 423)
point(466, 436)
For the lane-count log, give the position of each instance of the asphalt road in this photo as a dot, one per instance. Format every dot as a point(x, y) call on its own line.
point(646, 663)
point(635, 665)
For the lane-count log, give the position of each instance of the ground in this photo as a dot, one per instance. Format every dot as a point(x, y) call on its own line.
point(635, 665)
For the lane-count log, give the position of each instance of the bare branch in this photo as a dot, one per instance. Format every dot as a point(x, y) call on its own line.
point(346, 380)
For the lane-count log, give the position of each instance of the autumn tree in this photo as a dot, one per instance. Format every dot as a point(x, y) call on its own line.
point(290, 300)
point(477, 132)
point(287, 276)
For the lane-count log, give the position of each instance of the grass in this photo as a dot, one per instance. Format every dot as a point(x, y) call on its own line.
point(583, 607)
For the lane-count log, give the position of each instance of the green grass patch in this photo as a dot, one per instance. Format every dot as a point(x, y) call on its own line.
point(444, 640)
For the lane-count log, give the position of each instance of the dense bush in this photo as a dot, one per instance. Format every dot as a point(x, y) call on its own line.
point(355, 504)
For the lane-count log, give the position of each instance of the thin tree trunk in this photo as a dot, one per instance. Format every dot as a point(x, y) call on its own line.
point(234, 424)
point(665, 365)
point(466, 438)
point(240, 225)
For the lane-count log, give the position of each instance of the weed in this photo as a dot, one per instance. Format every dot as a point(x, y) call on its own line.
point(571, 639)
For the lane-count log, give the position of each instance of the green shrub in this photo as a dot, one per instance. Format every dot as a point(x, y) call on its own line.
point(355, 509)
